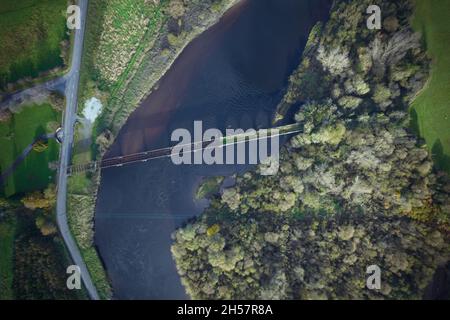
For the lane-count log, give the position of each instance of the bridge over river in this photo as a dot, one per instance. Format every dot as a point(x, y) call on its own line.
point(145, 156)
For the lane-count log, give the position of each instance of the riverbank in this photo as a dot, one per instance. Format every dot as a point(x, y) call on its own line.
point(232, 76)
point(151, 59)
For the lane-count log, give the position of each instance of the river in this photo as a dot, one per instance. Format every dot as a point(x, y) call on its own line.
point(232, 76)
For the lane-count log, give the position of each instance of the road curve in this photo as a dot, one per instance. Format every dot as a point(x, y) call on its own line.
point(72, 78)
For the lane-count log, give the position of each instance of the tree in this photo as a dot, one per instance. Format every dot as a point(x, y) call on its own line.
point(176, 9)
point(5, 115)
point(392, 51)
point(104, 141)
point(336, 60)
point(40, 200)
point(45, 225)
point(57, 100)
point(4, 203)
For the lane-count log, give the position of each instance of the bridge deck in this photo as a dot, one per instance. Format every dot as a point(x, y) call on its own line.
point(194, 147)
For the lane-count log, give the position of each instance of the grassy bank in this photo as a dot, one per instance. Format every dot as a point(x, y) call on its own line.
point(116, 40)
point(81, 207)
point(80, 216)
point(120, 34)
point(31, 32)
point(15, 135)
point(121, 70)
point(432, 106)
point(208, 187)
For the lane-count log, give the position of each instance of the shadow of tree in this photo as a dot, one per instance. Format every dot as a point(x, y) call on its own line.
point(414, 121)
point(441, 159)
point(39, 132)
point(2, 186)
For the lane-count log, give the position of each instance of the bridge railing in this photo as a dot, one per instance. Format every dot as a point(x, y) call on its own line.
point(194, 147)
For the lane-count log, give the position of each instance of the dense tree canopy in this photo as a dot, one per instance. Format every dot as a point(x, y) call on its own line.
point(355, 188)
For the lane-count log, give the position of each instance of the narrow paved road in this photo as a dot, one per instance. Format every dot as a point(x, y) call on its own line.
point(33, 94)
point(68, 126)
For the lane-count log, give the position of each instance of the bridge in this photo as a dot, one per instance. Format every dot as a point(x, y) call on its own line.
point(193, 147)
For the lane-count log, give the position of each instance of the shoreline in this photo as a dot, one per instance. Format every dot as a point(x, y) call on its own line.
point(230, 50)
point(159, 105)
point(95, 179)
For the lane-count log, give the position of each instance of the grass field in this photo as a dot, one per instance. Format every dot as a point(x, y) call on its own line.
point(31, 32)
point(120, 34)
point(432, 106)
point(118, 28)
point(7, 233)
point(15, 136)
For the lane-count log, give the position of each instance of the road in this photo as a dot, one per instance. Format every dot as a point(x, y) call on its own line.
point(72, 81)
point(34, 94)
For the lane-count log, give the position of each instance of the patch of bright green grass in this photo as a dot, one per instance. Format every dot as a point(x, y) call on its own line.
point(432, 107)
point(209, 187)
point(15, 135)
point(79, 184)
point(31, 32)
point(97, 272)
point(7, 233)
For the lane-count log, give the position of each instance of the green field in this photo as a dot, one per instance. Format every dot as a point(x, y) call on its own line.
point(7, 233)
point(31, 32)
point(15, 136)
point(432, 106)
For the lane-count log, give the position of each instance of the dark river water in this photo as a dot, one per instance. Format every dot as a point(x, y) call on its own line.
point(232, 76)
